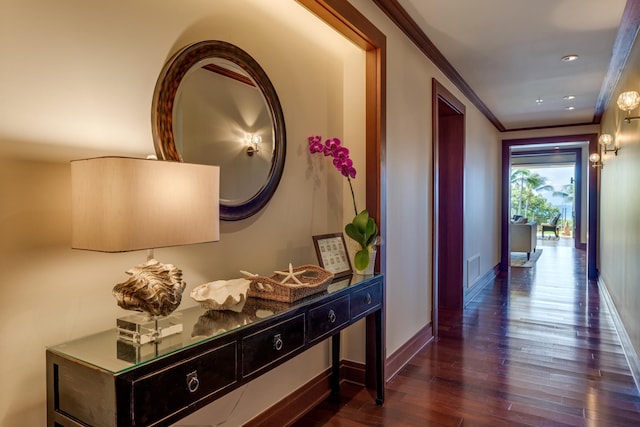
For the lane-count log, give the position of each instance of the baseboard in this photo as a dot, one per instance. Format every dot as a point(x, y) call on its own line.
point(479, 284)
point(288, 410)
point(627, 346)
point(296, 404)
point(353, 372)
point(404, 354)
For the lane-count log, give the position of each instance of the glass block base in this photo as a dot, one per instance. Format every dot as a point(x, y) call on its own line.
point(138, 353)
point(143, 329)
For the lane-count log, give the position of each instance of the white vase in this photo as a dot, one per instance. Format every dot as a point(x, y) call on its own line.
point(372, 262)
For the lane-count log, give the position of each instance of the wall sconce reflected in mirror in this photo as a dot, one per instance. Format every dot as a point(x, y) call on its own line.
point(629, 101)
point(605, 140)
point(595, 160)
point(252, 142)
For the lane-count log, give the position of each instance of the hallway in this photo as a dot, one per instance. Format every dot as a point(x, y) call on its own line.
point(541, 351)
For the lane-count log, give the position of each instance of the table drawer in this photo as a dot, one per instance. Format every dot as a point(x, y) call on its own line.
point(366, 300)
point(190, 381)
point(328, 317)
point(263, 348)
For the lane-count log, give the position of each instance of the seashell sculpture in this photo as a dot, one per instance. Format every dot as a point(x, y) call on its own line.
point(153, 288)
point(221, 294)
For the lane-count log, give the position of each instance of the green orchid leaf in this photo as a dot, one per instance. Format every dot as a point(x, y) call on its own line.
point(352, 232)
point(362, 229)
point(361, 260)
point(369, 229)
point(372, 232)
point(360, 221)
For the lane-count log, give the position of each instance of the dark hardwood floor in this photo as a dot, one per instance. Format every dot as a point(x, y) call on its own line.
point(536, 347)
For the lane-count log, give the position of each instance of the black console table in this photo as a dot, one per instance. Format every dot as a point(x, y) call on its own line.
point(102, 381)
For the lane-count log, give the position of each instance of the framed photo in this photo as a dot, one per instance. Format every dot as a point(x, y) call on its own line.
point(332, 254)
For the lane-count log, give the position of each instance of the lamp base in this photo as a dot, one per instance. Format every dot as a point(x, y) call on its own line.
point(142, 328)
point(138, 353)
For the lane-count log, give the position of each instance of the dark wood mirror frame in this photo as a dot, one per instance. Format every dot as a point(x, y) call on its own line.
point(162, 115)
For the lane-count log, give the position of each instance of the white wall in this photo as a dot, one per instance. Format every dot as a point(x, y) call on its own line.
point(77, 81)
point(482, 194)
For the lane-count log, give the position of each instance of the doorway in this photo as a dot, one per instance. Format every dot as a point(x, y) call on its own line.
point(448, 203)
point(545, 183)
point(588, 143)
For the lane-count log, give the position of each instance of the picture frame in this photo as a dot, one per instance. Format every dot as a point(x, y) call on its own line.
point(332, 254)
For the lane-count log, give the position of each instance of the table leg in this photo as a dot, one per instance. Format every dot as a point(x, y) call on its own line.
point(335, 365)
point(379, 359)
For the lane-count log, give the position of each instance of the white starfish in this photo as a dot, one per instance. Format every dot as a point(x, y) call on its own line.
point(248, 274)
point(291, 275)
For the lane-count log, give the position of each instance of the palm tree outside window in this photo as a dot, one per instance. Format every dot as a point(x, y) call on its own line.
point(526, 196)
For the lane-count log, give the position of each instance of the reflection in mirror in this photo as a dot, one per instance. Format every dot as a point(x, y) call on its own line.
point(224, 118)
point(215, 105)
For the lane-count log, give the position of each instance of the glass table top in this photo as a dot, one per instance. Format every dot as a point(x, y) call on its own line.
point(106, 351)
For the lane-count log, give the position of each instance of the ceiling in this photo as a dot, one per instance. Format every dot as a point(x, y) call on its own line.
point(507, 54)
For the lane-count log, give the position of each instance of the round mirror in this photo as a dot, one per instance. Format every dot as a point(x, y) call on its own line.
point(213, 104)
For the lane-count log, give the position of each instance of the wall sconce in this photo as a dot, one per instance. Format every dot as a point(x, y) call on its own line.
point(605, 140)
point(628, 101)
point(252, 143)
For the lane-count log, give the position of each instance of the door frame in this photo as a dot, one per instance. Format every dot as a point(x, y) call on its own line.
point(455, 214)
point(592, 195)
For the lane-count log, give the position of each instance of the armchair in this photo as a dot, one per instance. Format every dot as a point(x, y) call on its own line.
point(551, 226)
point(524, 237)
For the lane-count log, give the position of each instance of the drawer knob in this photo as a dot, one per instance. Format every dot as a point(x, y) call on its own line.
point(277, 342)
point(332, 316)
point(367, 298)
point(192, 381)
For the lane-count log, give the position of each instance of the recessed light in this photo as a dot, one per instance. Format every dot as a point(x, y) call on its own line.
point(569, 58)
point(570, 108)
point(569, 97)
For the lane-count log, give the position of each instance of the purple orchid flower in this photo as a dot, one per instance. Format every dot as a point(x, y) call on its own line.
point(363, 228)
point(315, 144)
point(341, 160)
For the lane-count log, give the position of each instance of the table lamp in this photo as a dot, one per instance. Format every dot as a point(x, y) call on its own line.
point(124, 204)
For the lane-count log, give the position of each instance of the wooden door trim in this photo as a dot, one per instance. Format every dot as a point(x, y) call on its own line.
point(438, 93)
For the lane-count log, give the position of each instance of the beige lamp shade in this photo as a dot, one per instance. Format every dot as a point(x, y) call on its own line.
point(125, 204)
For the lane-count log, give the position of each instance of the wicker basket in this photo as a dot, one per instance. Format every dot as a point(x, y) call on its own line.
point(315, 279)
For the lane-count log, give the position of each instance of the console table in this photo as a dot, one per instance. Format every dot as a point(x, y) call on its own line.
point(101, 381)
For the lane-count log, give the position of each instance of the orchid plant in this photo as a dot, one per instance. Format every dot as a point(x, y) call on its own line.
point(363, 228)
